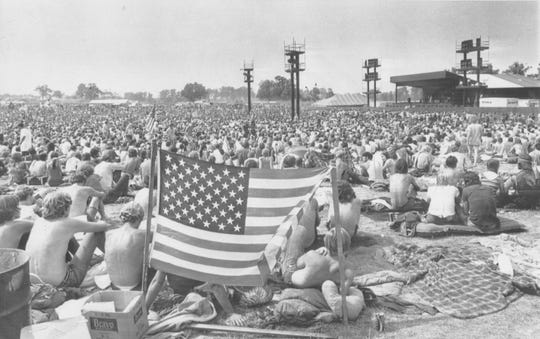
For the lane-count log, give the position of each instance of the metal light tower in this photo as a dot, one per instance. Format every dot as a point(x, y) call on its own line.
point(248, 78)
point(294, 64)
point(371, 76)
point(468, 46)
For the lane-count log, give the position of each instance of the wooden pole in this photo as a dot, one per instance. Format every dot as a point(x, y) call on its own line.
point(265, 332)
point(341, 258)
point(153, 152)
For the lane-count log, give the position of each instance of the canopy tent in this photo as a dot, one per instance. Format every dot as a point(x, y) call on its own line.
point(343, 100)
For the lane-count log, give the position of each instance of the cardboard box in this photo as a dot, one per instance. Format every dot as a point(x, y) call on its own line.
point(130, 321)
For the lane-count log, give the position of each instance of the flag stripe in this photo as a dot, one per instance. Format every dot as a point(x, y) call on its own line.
point(280, 184)
point(278, 193)
point(290, 175)
point(269, 211)
point(254, 221)
point(212, 243)
point(237, 261)
point(233, 239)
point(229, 276)
point(171, 242)
point(206, 268)
point(261, 230)
point(275, 203)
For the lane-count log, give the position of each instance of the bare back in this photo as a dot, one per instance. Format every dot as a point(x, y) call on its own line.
point(47, 246)
point(124, 256)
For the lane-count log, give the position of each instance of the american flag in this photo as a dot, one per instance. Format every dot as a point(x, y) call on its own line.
point(215, 221)
point(151, 121)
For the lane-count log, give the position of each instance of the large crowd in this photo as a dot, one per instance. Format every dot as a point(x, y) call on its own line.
point(62, 164)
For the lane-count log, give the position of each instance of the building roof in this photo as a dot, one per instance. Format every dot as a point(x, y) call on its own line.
point(348, 99)
point(109, 102)
point(440, 79)
point(494, 81)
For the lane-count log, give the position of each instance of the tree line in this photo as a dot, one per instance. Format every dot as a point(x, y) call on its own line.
point(275, 89)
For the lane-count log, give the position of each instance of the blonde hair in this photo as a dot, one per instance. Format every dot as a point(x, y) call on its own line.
point(132, 213)
point(55, 205)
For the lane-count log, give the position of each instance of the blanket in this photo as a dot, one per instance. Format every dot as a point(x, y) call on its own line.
point(524, 254)
point(194, 308)
point(460, 281)
point(507, 225)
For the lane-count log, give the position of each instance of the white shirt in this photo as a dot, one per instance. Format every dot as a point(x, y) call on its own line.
point(443, 200)
point(26, 134)
point(105, 170)
point(72, 164)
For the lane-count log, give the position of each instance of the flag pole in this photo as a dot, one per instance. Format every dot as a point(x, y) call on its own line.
point(341, 258)
point(146, 254)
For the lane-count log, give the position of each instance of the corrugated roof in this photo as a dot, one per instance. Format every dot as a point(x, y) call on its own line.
point(508, 81)
point(348, 99)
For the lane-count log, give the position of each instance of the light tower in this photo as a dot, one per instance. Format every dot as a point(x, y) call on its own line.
point(294, 64)
point(248, 78)
point(468, 46)
point(371, 76)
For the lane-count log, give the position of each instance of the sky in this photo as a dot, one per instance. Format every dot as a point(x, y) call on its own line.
point(143, 45)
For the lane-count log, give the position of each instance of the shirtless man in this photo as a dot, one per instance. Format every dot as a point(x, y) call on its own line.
point(11, 229)
point(349, 208)
point(317, 266)
point(49, 238)
point(124, 249)
point(79, 194)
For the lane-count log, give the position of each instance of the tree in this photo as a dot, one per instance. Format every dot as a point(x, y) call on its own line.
point(81, 91)
point(265, 91)
point(92, 92)
point(517, 68)
point(57, 94)
point(193, 91)
point(44, 91)
point(330, 93)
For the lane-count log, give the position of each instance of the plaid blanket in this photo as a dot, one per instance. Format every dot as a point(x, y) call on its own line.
point(459, 281)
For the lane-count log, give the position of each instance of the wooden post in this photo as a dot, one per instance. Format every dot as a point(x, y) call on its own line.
point(341, 258)
point(146, 254)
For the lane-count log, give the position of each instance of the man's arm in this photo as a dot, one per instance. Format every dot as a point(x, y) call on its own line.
point(93, 193)
point(86, 226)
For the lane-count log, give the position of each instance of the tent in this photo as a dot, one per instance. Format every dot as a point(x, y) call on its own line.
point(343, 100)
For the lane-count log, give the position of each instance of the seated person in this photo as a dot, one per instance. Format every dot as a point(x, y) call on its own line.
point(317, 266)
point(423, 161)
point(26, 202)
point(442, 199)
point(49, 239)
point(403, 188)
point(80, 194)
point(54, 171)
point(12, 230)
point(17, 169)
point(450, 172)
point(524, 184)
point(124, 249)
point(491, 177)
point(38, 168)
point(479, 203)
point(349, 209)
point(346, 171)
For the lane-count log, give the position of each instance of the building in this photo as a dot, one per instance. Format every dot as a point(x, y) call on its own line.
point(443, 87)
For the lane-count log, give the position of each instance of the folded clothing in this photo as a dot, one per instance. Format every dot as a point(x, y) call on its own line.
point(354, 300)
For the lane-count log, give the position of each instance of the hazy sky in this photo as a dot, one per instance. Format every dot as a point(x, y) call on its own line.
point(135, 45)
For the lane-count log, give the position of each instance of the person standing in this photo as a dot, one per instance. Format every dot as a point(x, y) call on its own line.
point(474, 138)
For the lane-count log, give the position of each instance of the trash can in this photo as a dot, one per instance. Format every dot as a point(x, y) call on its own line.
point(15, 292)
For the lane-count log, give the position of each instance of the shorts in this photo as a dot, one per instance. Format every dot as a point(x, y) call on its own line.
point(74, 276)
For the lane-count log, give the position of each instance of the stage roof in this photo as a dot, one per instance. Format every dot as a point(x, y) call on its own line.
point(349, 99)
point(441, 79)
